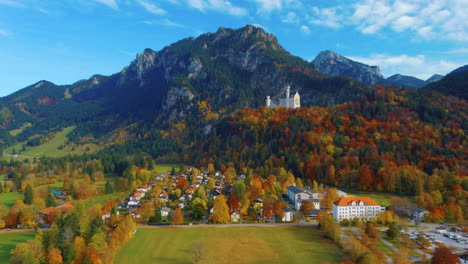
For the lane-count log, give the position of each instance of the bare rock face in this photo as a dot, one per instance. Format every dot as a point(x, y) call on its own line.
point(333, 64)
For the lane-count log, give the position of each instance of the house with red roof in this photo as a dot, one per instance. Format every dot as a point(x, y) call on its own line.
point(356, 207)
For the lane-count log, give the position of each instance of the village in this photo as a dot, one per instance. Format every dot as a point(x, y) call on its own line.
point(190, 197)
point(170, 190)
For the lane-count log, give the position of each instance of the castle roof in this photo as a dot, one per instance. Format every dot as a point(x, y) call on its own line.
point(347, 201)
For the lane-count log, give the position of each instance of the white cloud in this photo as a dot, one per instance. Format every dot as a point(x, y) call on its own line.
point(152, 8)
point(222, 6)
point(441, 19)
point(291, 18)
point(269, 5)
point(418, 66)
point(326, 17)
point(198, 4)
point(404, 22)
point(12, 3)
point(4, 33)
point(110, 3)
point(305, 29)
point(164, 22)
point(44, 11)
point(458, 51)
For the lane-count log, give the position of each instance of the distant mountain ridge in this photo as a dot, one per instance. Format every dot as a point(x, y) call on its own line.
point(399, 80)
point(454, 84)
point(460, 69)
point(334, 64)
point(434, 78)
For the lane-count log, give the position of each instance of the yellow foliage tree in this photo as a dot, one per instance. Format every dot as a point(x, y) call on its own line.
point(55, 256)
point(220, 210)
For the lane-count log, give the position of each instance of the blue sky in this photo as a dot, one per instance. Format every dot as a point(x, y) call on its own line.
point(64, 41)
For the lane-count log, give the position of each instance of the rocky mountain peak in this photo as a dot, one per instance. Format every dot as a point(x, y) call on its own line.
point(334, 64)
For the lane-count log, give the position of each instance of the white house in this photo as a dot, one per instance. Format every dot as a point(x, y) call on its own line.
point(298, 204)
point(296, 196)
point(165, 211)
point(235, 216)
point(133, 203)
point(288, 215)
point(356, 207)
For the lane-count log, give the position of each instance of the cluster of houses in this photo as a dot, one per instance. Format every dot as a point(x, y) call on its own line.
point(133, 202)
point(344, 208)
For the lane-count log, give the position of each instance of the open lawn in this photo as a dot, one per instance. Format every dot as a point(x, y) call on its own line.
point(162, 168)
point(15, 132)
point(9, 199)
point(230, 245)
point(8, 241)
point(103, 199)
point(49, 149)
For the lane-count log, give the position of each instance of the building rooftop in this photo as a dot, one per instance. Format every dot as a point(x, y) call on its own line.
point(294, 189)
point(346, 201)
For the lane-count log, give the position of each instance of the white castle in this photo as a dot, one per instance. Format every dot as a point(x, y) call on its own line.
point(287, 102)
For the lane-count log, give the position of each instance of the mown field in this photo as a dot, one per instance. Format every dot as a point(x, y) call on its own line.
point(8, 241)
point(9, 199)
point(103, 199)
point(162, 168)
point(230, 245)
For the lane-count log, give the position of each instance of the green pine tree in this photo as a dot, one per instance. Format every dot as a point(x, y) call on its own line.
point(109, 188)
point(158, 216)
point(28, 194)
point(50, 200)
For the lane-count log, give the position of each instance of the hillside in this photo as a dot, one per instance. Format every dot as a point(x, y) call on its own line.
point(454, 84)
point(229, 69)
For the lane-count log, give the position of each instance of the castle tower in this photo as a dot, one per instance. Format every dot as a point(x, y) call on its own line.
point(288, 91)
point(297, 100)
point(268, 101)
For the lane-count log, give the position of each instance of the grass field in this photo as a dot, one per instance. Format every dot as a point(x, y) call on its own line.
point(103, 199)
point(230, 245)
point(15, 132)
point(162, 168)
point(8, 241)
point(9, 199)
point(49, 149)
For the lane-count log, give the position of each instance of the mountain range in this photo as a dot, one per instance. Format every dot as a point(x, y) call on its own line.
point(333, 64)
point(227, 70)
